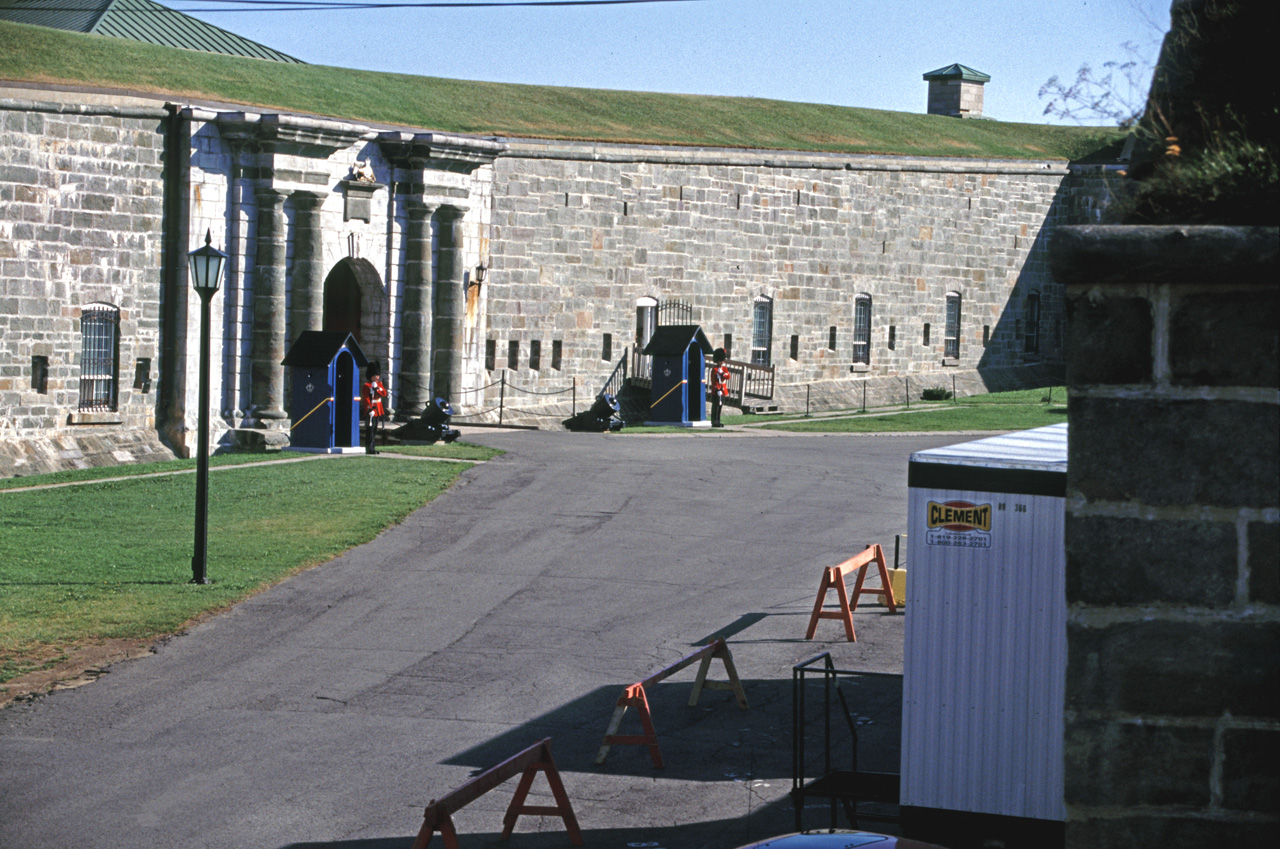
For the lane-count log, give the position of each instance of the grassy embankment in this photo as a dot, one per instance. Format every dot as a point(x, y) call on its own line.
point(112, 559)
point(41, 55)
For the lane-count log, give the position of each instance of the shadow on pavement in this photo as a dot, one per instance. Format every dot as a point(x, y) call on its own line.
point(713, 741)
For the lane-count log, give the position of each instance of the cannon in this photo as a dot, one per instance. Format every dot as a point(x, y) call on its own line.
point(433, 424)
point(602, 416)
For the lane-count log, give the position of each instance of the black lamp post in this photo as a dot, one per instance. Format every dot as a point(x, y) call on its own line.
point(206, 274)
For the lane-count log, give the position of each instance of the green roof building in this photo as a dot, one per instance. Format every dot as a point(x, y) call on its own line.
point(136, 20)
point(956, 90)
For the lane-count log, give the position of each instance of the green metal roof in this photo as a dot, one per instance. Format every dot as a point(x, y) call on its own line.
point(136, 20)
point(958, 72)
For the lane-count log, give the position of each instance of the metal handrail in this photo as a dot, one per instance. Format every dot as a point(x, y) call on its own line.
point(618, 377)
point(824, 667)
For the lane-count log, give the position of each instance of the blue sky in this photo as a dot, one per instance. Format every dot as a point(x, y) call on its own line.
point(868, 53)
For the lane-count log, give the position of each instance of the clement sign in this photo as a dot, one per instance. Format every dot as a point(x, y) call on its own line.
point(962, 524)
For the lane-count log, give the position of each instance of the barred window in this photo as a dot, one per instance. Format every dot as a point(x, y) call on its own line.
point(490, 354)
point(535, 355)
point(557, 354)
point(762, 331)
point(1032, 336)
point(951, 340)
point(99, 356)
point(513, 355)
point(862, 329)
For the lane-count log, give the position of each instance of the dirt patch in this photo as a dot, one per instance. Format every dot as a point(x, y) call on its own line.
point(82, 665)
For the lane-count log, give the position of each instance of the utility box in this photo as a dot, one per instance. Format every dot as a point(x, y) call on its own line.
point(325, 392)
point(985, 652)
point(678, 392)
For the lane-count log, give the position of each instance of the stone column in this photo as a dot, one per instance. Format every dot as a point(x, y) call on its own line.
point(267, 341)
point(450, 303)
point(416, 313)
point(1172, 534)
point(308, 265)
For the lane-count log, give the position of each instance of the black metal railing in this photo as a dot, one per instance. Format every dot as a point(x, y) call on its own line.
point(675, 312)
point(617, 378)
point(868, 740)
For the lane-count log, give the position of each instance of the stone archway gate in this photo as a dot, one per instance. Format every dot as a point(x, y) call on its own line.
point(290, 198)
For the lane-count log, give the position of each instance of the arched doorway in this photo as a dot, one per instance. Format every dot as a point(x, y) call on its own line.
point(342, 302)
point(356, 302)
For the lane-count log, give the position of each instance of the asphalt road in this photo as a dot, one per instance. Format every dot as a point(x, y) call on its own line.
point(330, 710)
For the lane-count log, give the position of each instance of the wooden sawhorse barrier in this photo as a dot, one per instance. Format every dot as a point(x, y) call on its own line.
point(536, 758)
point(833, 577)
point(634, 696)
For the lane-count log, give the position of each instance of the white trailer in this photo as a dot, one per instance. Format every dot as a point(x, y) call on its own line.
point(986, 648)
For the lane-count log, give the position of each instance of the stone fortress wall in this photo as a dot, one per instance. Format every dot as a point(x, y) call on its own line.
point(462, 253)
point(81, 202)
point(581, 233)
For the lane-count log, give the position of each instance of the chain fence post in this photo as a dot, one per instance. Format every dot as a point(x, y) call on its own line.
point(908, 392)
point(502, 394)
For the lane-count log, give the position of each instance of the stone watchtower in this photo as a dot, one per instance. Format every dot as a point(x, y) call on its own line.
point(956, 90)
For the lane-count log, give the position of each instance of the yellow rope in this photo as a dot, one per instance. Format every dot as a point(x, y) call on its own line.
point(313, 409)
point(668, 392)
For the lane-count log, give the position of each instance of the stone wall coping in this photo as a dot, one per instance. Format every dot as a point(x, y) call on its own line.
point(293, 133)
point(528, 148)
point(1093, 254)
point(87, 109)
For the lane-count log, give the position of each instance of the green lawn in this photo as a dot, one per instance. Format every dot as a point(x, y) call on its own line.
point(39, 54)
point(958, 417)
point(455, 451)
point(113, 559)
point(1018, 410)
point(100, 472)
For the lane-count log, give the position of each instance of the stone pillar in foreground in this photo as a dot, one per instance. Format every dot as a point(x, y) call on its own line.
point(267, 343)
point(416, 313)
point(451, 302)
point(308, 264)
point(1172, 724)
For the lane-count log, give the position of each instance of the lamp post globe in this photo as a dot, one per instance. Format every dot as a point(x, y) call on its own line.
point(206, 266)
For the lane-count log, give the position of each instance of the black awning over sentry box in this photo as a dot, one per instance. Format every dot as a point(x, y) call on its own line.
point(678, 395)
point(325, 400)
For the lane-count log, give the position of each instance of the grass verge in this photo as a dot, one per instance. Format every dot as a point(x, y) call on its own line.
point(112, 560)
point(960, 417)
point(134, 470)
point(1017, 410)
point(456, 451)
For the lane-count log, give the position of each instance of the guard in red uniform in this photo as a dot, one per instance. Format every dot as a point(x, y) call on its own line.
point(719, 382)
point(371, 395)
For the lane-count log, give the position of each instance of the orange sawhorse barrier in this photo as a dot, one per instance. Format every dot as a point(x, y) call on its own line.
point(536, 758)
point(833, 577)
point(634, 696)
